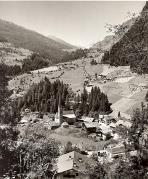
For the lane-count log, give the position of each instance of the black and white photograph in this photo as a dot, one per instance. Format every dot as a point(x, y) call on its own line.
point(73, 89)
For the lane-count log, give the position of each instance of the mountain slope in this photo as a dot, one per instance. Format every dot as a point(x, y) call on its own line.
point(131, 49)
point(62, 42)
point(109, 40)
point(33, 41)
point(11, 55)
point(105, 44)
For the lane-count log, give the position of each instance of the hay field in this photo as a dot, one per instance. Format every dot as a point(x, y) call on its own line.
point(124, 92)
point(71, 73)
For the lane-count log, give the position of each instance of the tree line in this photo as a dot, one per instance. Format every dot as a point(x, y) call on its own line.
point(34, 154)
point(135, 166)
point(45, 96)
point(92, 103)
point(76, 54)
point(131, 49)
point(37, 61)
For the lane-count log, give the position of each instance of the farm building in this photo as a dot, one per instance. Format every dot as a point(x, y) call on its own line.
point(74, 165)
point(124, 122)
point(101, 129)
point(87, 119)
point(90, 127)
point(69, 117)
point(115, 150)
point(54, 125)
point(104, 130)
point(107, 119)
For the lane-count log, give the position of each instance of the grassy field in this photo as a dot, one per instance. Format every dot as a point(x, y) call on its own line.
point(72, 74)
point(77, 137)
point(61, 135)
point(124, 92)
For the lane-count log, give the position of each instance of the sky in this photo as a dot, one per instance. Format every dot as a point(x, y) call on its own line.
point(79, 23)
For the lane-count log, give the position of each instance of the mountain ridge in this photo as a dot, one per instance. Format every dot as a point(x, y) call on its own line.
point(131, 49)
point(31, 40)
point(57, 39)
point(110, 40)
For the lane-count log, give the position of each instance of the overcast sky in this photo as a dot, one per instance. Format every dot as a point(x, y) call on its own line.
point(79, 23)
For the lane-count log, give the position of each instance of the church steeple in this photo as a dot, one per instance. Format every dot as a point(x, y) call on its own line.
point(59, 114)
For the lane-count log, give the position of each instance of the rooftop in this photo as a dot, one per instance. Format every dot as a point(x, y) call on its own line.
point(124, 122)
point(87, 119)
point(91, 124)
point(70, 115)
point(74, 160)
point(104, 128)
point(118, 150)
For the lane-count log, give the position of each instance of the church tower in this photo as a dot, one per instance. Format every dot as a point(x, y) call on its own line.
point(59, 114)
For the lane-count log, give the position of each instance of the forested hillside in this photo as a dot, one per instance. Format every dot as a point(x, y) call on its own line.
point(33, 41)
point(92, 103)
point(45, 97)
point(132, 48)
point(110, 40)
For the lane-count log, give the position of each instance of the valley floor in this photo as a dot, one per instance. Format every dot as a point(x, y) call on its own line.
point(125, 90)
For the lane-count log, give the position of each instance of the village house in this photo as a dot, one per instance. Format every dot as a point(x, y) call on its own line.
point(90, 127)
point(102, 130)
point(122, 121)
point(54, 125)
point(115, 150)
point(107, 119)
point(87, 119)
point(69, 117)
point(84, 119)
point(27, 117)
point(74, 165)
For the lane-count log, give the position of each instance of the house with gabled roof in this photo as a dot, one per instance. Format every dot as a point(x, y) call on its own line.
point(115, 150)
point(124, 122)
point(69, 117)
point(90, 126)
point(74, 165)
point(87, 119)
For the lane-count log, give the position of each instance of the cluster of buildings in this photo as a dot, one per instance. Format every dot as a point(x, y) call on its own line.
point(74, 165)
point(77, 165)
point(101, 128)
